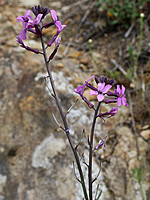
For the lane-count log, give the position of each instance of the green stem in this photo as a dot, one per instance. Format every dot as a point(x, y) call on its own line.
point(143, 192)
point(139, 47)
point(64, 121)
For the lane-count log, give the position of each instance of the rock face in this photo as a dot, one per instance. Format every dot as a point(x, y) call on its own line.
point(35, 157)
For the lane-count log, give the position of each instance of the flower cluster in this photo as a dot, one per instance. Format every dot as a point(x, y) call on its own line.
point(102, 92)
point(35, 26)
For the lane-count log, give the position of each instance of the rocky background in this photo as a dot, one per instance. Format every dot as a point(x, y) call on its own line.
point(35, 157)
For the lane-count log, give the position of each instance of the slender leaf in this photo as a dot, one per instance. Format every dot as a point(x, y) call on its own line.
point(99, 195)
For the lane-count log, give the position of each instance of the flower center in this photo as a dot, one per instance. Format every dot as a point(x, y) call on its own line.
point(99, 92)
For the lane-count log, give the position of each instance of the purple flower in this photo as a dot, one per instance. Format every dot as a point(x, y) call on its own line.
point(24, 19)
point(80, 91)
point(102, 89)
point(119, 95)
point(58, 24)
point(28, 19)
point(19, 40)
point(121, 100)
point(112, 112)
point(33, 27)
point(36, 21)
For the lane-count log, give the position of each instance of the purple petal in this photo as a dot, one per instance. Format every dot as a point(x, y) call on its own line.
point(119, 101)
point(100, 97)
point(123, 101)
point(25, 24)
point(27, 13)
point(101, 86)
point(80, 89)
point(38, 19)
point(118, 89)
point(23, 34)
point(92, 92)
point(106, 88)
point(123, 89)
point(62, 27)
point(59, 26)
point(54, 15)
point(90, 78)
point(20, 19)
point(30, 18)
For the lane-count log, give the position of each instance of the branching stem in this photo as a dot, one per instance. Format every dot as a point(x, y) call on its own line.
point(64, 120)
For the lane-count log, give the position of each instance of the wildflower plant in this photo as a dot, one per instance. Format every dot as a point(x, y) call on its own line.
point(103, 89)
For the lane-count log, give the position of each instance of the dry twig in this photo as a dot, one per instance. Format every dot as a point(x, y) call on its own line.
point(118, 67)
point(133, 124)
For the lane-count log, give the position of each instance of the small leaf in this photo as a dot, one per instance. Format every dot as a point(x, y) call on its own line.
point(99, 195)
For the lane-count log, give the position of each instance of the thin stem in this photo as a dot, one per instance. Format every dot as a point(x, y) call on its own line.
point(139, 47)
point(143, 191)
point(64, 121)
point(91, 151)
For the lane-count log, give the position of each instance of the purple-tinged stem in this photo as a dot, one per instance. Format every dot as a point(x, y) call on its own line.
point(91, 151)
point(64, 121)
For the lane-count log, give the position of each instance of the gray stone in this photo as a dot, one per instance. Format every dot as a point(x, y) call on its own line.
point(1, 197)
point(47, 150)
point(28, 3)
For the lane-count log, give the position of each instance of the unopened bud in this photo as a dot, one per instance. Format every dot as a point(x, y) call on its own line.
point(142, 15)
point(90, 41)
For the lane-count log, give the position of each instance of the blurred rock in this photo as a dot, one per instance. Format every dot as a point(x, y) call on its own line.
point(46, 151)
point(28, 3)
point(3, 179)
point(84, 60)
point(56, 4)
point(145, 134)
point(75, 54)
